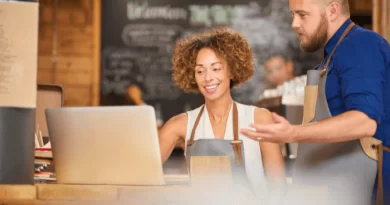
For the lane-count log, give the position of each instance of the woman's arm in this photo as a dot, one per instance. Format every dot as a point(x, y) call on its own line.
point(173, 131)
point(271, 152)
point(273, 162)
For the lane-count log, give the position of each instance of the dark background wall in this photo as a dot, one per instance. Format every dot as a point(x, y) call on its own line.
point(138, 37)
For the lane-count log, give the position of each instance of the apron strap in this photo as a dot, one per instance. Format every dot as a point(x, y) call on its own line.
point(236, 142)
point(191, 141)
point(379, 194)
point(323, 71)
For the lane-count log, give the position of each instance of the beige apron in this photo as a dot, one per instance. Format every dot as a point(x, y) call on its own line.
point(242, 192)
point(348, 169)
point(379, 195)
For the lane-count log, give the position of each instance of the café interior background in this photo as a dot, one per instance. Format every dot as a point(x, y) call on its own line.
point(95, 49)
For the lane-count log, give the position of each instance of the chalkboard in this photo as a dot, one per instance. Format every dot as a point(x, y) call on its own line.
point(138, 37)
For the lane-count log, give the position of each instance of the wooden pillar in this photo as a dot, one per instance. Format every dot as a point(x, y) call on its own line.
point(96, 22)
point(381, 18)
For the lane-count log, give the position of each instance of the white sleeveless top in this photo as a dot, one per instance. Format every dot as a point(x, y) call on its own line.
point(253, 159)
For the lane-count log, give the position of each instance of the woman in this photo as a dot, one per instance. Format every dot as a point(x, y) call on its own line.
point(212, 63)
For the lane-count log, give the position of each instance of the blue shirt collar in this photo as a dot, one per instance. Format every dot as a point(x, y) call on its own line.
point(333, 40)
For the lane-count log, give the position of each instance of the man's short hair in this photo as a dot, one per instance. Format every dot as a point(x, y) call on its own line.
point(285, 57)
point(344, 5)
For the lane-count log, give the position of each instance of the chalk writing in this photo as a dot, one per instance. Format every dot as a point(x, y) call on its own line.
point(123, 67)
point(149, 34)
point(211, 15)
point(143, 11)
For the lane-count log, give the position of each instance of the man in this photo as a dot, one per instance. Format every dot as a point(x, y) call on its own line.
point(279, 70)
point(353, 103)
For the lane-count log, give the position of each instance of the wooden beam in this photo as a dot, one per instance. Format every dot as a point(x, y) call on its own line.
point(381, 18)
point(376, 16)
point(96, 22)
point(386, 19)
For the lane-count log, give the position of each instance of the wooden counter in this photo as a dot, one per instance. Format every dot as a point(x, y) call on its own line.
point(211, 182)
point(50, 194)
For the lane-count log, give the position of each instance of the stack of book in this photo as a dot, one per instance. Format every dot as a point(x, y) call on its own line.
point(43, 164)
point(44, 170)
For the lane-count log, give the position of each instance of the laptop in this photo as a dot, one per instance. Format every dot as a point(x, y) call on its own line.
point(107, 145)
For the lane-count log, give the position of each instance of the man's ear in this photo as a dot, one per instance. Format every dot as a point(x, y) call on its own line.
point(334, 10)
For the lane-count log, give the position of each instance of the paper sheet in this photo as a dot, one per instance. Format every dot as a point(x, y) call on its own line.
point(18, 54)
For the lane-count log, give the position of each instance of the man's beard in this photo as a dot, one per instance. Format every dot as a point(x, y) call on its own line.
point(318, 40)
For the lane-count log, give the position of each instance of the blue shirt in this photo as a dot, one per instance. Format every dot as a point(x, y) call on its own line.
point(359, 76)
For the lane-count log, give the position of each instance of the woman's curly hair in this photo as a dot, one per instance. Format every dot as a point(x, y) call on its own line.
point(229, 45)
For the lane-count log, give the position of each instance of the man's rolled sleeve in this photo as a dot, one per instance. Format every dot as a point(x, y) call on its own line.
point(362, 78)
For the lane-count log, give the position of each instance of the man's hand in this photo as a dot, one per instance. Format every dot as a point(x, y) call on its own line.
point(351, 125)
point(279, 132)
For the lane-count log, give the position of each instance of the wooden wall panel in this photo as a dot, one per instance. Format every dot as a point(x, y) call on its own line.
point(67, 48)
point(381, 18)
point(77, 95)
point(75, 78)
point(361, 6)
point(45, 76)
point(67, 63)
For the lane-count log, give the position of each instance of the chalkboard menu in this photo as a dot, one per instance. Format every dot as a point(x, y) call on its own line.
point(138, 39)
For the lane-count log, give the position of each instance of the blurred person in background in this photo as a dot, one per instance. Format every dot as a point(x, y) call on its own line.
point(134, 95)
point(279, 69)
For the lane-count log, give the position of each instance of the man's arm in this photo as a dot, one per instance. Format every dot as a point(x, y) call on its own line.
point(360, 68)
point(348, 126)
